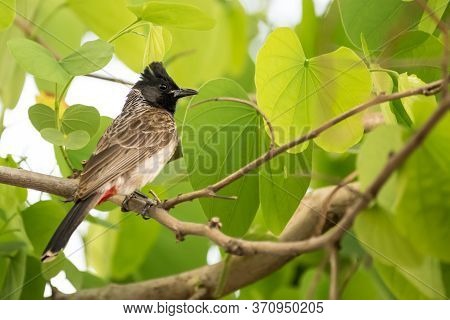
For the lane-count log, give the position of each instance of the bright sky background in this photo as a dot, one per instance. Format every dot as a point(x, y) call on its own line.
point(20, 139)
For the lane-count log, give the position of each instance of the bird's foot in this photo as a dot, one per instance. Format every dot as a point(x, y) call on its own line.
point(135, 195)
point(148, 204)
point(139, 195)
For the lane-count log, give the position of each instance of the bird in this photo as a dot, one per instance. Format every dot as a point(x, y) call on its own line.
point(131, 152)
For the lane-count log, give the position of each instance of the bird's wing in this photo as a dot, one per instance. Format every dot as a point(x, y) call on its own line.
point(133, 137)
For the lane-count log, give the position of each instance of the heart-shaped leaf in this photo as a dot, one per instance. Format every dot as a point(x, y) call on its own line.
point(379, 21)
point(215, 133)
point(37, 60)
point(298, 94)
point(42, 116)
point(80, 117)
point(92, 56)
point(74, 140)
point(172, 14)
point(53, 136)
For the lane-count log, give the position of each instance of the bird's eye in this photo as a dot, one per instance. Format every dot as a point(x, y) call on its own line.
point(163, 87)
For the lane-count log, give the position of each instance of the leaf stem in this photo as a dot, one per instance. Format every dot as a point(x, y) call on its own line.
point(128, 28)
point(66, 158)
point(58, 100)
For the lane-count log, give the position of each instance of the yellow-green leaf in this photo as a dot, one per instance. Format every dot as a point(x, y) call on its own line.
point(7, 13)
point(298, 93)
point(177, 15)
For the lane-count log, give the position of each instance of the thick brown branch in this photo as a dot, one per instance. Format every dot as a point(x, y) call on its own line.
point(183, 286)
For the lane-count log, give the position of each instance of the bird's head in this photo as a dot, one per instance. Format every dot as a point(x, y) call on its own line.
point(159, 89)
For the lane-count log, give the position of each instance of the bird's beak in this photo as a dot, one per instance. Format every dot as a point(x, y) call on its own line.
point(180, 93)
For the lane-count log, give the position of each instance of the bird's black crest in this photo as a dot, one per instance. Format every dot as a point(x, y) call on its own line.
point(155, 71)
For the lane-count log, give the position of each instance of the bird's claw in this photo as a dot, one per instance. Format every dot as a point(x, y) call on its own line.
point(135, 195)
point(148, 204)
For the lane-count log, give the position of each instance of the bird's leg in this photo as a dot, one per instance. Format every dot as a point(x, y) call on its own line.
point(139, 195)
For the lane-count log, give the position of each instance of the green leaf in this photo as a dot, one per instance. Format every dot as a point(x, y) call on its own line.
point(283, 181)
point(422, 282)
point(376, 231)
point(78, 156)
point(414, 52)
point(177, 15)
point(42, 116)
point(109, 250)
point(80, 117)
point(419, 107)
point(218, 131)
point(60, 28)
point(7, 13)
point(159, 41)
point(373, 155)
point(363, 285)
point(53, 136)
point(307, 30)
point(427, 23)
point(423, 203)
point(74, 140)
point(92, 56)
point(34, 282)
point(308, 280)
point(10, 242)
point(227, 45)
point(12, 231)
point(12, 76)
point(379, 21)
point(41, 220)
point(105, 20)
point(330, 168)
point(37, 60)
point(12, 268)
point(299, 93)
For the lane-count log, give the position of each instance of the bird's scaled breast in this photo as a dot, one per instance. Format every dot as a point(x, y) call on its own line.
point(147, 170)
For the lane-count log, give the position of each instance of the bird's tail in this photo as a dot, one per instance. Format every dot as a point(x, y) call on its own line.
point(70, 223)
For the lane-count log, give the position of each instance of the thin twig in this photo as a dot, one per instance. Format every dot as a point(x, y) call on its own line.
point(97, 76)
point(333, 293)
point(245, 102)
point(25, 25)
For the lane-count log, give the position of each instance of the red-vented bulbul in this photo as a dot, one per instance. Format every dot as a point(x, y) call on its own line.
point(131, 152)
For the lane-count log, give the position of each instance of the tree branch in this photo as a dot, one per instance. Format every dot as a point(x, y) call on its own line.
point(429, 89)
point(186, 285)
